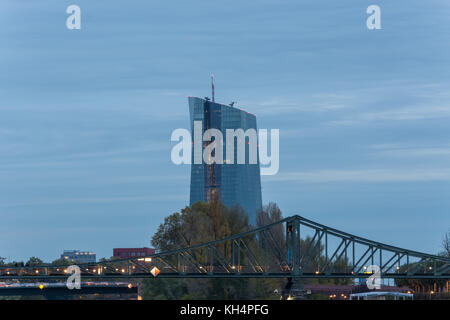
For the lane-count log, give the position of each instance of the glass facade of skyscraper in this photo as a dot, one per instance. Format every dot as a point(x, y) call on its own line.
point(233, 184)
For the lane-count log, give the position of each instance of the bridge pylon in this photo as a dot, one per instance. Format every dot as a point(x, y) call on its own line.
point(293, 253)
point(293, 290)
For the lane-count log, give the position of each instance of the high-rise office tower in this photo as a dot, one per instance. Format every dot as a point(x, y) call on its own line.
point(233, 184)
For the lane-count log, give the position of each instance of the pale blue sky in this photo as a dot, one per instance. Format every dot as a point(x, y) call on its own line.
point(86, 115)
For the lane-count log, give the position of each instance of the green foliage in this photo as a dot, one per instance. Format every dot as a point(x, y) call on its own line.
point(210, 289)
point(446, 245)
point(61, 262)
point(162, 289)
point(427, 284)
point(201, 223)
point(205, 222)
point(318, 296)
point(14, 264)
point(33, 262)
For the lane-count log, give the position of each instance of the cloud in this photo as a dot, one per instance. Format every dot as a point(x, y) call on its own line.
point(409, 150)
point(400, 114)
point(365, 175)
point(121, 155)
point(166, 178)
point(96, 200)
point(319, 102)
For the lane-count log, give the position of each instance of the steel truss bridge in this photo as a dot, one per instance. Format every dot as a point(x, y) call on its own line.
point(294, 247)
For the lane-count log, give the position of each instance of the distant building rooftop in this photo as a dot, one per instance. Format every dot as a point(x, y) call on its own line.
point(79, 256)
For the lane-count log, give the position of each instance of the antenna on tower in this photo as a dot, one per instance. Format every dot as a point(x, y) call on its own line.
point(212, 86)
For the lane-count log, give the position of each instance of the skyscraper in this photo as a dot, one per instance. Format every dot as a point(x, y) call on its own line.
point(233, 184)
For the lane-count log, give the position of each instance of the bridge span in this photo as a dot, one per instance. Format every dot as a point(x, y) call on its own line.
point(294, 247)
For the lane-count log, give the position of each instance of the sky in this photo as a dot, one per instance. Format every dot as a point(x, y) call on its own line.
point(86, 115)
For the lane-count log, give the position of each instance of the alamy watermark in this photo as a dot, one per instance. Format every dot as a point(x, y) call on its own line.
point(373, 22)
point(74, 280)
point(213, 152)
point(73, 21)
point(374, 281)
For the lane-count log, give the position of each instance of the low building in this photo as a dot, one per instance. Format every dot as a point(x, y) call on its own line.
point(381, 295)
point(79, 256)
point(125, 253)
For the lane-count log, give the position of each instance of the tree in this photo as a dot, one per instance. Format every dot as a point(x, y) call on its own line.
point(200, 223)
point(197, 224)
point(269, 214)
point(446, 244)
point(34, 262)
point(15, 264)
point(424, 285)
point(61, 262)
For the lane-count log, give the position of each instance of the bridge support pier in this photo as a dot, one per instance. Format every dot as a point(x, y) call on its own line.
point(293, 290)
